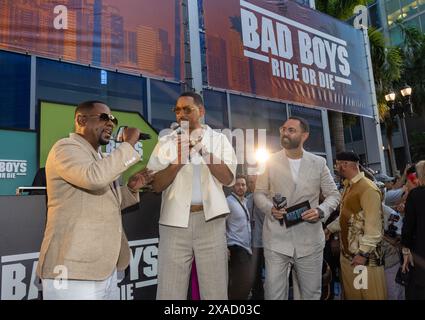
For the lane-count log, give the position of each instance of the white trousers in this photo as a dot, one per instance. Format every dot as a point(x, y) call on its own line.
point(308, 273)
point(54, 289)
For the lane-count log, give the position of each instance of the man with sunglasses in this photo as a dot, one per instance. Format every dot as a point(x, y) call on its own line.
point(191, 169)
point(84, 243)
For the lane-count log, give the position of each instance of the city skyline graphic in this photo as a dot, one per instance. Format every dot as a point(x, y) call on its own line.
point(137, 36)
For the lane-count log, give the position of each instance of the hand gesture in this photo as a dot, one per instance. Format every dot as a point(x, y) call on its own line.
point(311, 215)
point(278, 214)
point(140, 179)
point(131, 135)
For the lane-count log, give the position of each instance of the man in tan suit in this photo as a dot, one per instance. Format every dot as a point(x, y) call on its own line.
point(299, 176)
point(84, 242)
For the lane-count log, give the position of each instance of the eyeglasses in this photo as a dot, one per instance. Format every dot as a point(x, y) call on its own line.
point(104, 117)
point(290, 130)
point(186, 110)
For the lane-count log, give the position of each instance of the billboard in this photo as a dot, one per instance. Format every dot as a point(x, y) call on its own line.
point(18, 160)
point(140, 36)
point(283, 50)
point(57, 121)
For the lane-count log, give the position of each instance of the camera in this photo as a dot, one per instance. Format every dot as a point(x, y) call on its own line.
point(392, 231)
point(394, 218)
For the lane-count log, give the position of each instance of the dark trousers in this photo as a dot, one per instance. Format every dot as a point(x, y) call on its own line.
point(241, 273)
point(258, 262)
point(415, 289)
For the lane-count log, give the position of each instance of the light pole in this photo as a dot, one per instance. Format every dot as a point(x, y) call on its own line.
point(401, 109)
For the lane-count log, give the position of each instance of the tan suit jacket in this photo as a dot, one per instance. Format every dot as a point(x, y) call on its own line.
point(84, 229)
point(314, 177)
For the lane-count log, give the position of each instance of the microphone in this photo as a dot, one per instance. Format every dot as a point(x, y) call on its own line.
point(120, 133)
point(176, 127)
point(279, 202)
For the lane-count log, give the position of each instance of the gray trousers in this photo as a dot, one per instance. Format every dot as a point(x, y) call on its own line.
point(204, 240)
point(308, 272)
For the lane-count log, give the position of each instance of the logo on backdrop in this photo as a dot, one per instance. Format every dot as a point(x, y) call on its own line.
point(112, 145)
point(11, 169)
point(323, 58)
point(19, 280)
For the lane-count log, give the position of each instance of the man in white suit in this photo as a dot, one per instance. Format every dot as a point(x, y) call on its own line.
point(299, 176)
point(193, 209)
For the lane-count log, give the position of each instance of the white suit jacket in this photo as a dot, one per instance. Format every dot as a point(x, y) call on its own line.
point(314, 177)
point(176, 199)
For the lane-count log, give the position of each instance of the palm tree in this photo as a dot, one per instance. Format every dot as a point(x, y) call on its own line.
point(386, 64)
point(413, 51)
point(341, 9)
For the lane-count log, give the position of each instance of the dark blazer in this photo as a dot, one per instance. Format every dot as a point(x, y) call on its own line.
point(413, 231)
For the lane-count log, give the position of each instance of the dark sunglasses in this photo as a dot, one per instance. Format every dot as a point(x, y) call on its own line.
point(104, 117)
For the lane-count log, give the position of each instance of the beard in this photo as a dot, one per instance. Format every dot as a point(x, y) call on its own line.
point(289, 144)
point(103, 141)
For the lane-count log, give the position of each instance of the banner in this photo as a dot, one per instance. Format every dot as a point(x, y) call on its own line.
point(283, 50)
point(57, 121)
point(18, 160)
point(140, 36)
point(22, 225)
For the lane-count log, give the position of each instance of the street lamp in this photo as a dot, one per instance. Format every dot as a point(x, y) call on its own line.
point(401, 108)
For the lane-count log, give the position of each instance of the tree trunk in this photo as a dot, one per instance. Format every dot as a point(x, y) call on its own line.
point(337, 130)
point(391, 154)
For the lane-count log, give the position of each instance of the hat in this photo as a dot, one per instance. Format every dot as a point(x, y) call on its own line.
point(347, 156)
point(382, 177)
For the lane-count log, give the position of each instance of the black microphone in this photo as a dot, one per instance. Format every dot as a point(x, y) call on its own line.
point(279, 202)
point(120, 132)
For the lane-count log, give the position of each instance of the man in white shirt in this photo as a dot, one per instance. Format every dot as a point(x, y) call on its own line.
point(238, 231)
point(191, 169)
point(299, 176)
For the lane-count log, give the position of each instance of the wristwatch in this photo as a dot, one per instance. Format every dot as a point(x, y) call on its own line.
point(321, 213)
point(363, 254)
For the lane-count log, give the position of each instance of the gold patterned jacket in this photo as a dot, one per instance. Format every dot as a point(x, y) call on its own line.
point(361, 220)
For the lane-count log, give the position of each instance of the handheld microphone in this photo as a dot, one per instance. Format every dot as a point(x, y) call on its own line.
point(120, 135)
point(176, 127)
point(279, 202)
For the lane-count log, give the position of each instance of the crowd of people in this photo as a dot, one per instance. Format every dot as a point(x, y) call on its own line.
point(295, 231)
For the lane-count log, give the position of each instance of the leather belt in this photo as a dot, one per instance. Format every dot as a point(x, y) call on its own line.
point(196, 207)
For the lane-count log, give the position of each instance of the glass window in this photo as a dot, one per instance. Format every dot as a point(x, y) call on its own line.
point(421, 4)
point(203, 57)
point(304, 2)
point(15, 70)
point(409, 7)
point(70, 83)
point(315, 142)
point(374, 16)
point(422, 17)
point(393, 11)
point(201, 14)
point(347, 135)
point(216, 109)
point(356, 130)
point(395, 36)
point(413, 23)
point(252, 113)
point(163, 98)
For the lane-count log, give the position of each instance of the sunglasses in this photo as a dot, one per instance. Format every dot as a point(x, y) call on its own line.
point(186, 110)
point(104, 117)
